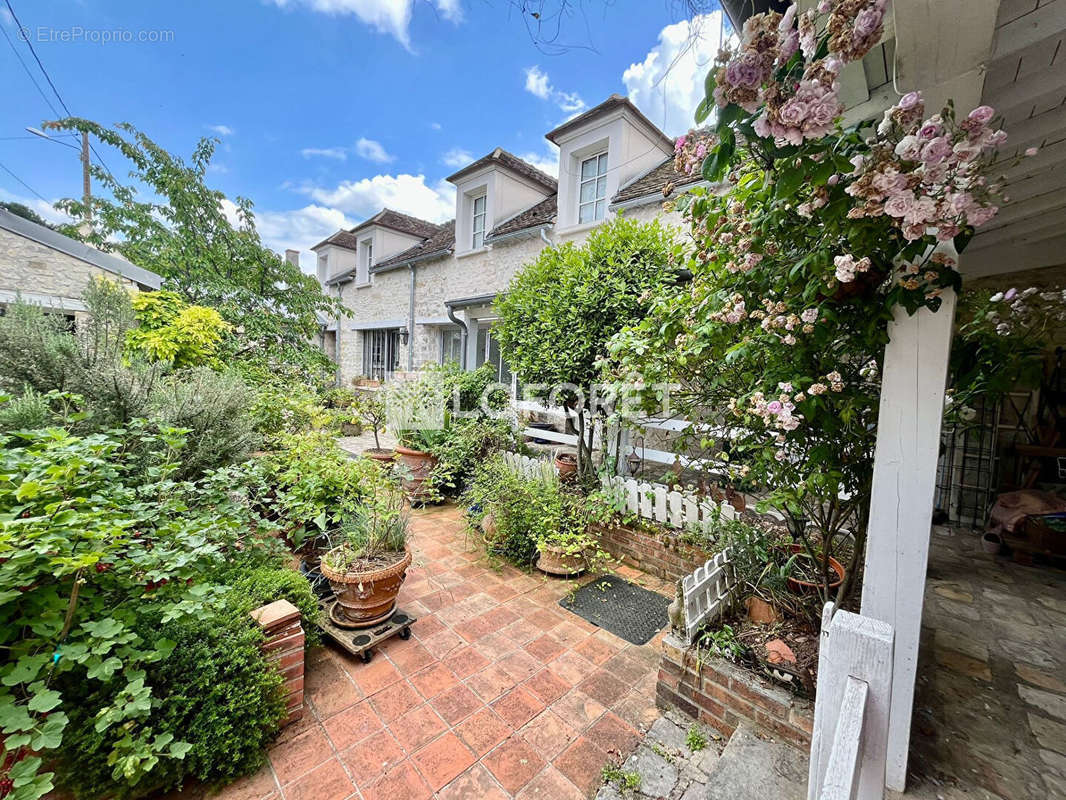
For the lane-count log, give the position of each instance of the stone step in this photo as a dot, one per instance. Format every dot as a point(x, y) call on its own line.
point(752, 768)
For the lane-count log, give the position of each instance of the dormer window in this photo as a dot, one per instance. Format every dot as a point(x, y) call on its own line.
point(323, 267)
point(477, 228)
point(592, 202)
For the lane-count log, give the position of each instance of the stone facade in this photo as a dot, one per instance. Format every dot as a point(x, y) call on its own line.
point(384, 301)
point(46, 275)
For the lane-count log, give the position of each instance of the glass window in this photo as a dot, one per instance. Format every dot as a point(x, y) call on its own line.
point(381, 353)
point(451, 346)
point(592, 192)
point(478, 238)
point(366, 261)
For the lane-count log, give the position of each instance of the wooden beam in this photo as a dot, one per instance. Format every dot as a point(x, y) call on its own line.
point(901, 507)
point(1047, 127)
point(1030, 90)
point(1009, 257)
point(1027, 231)
point(1049, 157)
point(1014, 212)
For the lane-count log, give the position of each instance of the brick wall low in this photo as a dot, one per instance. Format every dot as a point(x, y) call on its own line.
point(659, 553)
point(722, 694)
point(283, 644)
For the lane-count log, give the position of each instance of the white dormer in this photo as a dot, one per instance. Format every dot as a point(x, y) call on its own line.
point(491, 190)
point(350, 256)
point(599, 152)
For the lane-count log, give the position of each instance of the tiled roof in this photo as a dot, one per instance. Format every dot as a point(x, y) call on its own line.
point(404, 223)
point(511, 162)
point(440, 243)
point(340, 239)
point(610, 104)
point(660, 180)
point(540, 214)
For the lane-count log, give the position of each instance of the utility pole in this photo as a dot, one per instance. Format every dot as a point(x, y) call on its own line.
point(86, 184)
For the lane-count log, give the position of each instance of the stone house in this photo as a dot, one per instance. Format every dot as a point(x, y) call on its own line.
point(43, 266)
point(422, 293)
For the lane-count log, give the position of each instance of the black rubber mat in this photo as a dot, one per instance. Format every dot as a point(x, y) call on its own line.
point(621, 607)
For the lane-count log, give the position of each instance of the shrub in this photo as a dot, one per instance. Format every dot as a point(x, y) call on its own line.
point(281, 410)
point(170, 330)
point(215, 410)
point(25, 413)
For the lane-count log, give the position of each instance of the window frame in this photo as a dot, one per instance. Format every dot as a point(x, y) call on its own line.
point(475, 217)
point(598, 203)
point(378, 345)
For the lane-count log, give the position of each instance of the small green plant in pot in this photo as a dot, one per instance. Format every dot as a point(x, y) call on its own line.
point(369, 407)
point(367, 569)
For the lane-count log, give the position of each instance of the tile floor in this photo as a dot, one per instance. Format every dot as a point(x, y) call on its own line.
point(499, 693)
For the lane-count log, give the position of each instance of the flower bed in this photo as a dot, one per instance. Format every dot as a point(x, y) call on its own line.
point(722, 694)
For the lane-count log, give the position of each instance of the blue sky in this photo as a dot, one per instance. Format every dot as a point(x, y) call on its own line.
point(329, 109)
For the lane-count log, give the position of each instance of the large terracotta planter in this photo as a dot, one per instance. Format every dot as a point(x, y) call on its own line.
point(366, 598)
point(554, 561)
point(808, 587)
point(419, 466)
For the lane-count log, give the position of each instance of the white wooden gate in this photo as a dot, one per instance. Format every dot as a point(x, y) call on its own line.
point(707, 592)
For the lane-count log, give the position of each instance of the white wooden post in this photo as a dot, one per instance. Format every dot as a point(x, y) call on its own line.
point(851, 721)
point(901, 506)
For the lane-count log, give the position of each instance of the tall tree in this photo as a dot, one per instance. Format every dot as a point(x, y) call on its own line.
point(206, 247)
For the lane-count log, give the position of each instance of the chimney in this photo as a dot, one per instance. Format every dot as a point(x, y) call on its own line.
point(293, 257)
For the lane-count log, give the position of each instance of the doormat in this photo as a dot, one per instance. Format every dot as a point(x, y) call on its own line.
point(621, 607)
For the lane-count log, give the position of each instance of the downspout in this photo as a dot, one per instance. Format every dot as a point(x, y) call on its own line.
point(546, 238)
point(463, 336)
point(411, 323)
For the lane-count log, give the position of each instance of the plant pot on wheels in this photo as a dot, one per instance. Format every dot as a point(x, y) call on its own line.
point(566, 466)
point(803, 586)
point(556, 561)
point(419, 465)
point(367, 596)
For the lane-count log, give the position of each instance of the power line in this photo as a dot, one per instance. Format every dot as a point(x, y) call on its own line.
point(51, 83)
point(16, 177)
point(29, 74)
point(36, 58)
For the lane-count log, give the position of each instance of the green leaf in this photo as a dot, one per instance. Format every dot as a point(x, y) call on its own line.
point(44, 699)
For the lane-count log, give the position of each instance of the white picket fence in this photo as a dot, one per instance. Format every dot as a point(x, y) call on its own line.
point(849, 744)
point(707, 593)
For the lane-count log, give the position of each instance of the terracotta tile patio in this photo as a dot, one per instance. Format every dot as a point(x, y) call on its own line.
point(499, 693)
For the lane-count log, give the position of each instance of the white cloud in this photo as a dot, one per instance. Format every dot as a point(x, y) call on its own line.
point(337, 153)
point(407, 193)
point(539, 85)
point(300, 229)
point(385, 16)
point(435, 126)
point(668, 84)
point(457, 158)
point(545, 162)
point(372, 151)
point(47, 211)
point(221, 130)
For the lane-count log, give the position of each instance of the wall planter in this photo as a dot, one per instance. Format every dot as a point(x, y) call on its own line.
point(419, 465)
point(367, 597)
point(556, 561)
point(802, 586)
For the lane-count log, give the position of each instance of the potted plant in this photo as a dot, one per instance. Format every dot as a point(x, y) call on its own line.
point(805, 574)
point(566, 545)
point(566, 465)
point(351, 421)
point(367, 569)
point(370, 408)
point(414, 454)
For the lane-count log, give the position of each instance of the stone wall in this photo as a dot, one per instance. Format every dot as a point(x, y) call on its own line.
point(30, 267)
point(722, 695)
point(657, 552)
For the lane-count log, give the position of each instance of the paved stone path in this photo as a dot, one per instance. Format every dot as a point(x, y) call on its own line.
point(990, 706)
point(499, 693)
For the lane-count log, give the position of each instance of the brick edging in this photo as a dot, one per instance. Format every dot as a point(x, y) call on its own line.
point(660, 553)
point(283, 646)
point(722, 694)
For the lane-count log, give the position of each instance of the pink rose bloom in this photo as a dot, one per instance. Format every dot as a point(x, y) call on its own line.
point(774, 407)
point(980, 215)
point(1031, 151)
point(928, 130)
point(909, 101)
point(936, 150)
point(867, 22)
point(913, 232)
point(898, 205)
point(982, 114)
point(966, 151)
point(787, 19)
point(833, 180)
point(790, 43)
point(745, 71)
point(946, 233)
point(909, 148)
point(679, 145)
point(922, 210)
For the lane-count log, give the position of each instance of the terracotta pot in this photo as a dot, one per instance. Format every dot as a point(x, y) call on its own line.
point(761, 612)
point(566, 465)
point(382, 456)
point(488, 526)
point(419, 465)
point(554, 561)
point(807, 587)
point(367, 598)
